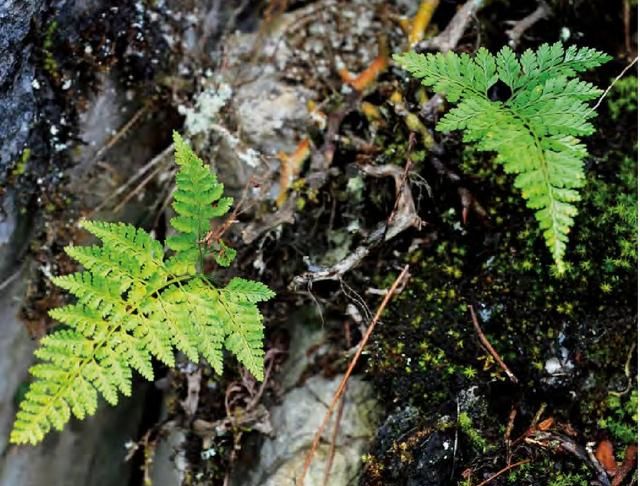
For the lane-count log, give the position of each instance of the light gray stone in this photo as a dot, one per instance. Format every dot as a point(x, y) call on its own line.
point(296, 421)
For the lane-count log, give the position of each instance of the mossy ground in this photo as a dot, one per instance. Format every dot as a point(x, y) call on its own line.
point(566, 337)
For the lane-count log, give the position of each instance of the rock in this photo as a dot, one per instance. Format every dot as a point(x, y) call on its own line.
point(432, 463)
point(16, 350)
point(296, 420)
point(270, 113)
point(92, 451)
point(414, 450)
point(14, 237)
point(17, 101)
point(87, 453)
point(169, 462)
point(307, 343)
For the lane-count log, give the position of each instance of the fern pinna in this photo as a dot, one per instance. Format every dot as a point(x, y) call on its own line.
point(533, 132)
point(133, 304)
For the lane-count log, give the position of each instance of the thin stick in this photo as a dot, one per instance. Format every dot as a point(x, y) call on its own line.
point(485, 342)
point(139, 173)
point(336, 397)
point(121, 132)
point(10, 279)
point(606, 91)
point(503, 470)
point(137, 189)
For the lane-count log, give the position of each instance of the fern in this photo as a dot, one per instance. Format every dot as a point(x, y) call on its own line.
point(134, 304)
point(534, 132)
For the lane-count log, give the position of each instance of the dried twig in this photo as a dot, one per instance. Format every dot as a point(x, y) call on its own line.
point(404, 214)
point(139, 173)
point(121, 132)
point(448, 39)
point(322, 158)
point(341, 388)
point(508, 431)
point(485, 342)
point(606, 91)
point(554, 441)
point(504, 470)
point(138, 188)
point(627, 466)
point(284, 214)
point(467, 200)
point(627, 373)
point(401, 218)
point(7, 281)
point(626, 21)
point(519, 27)
point(190, 403)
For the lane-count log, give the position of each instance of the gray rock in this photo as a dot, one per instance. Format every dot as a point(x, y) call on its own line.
point(307, 342)
point(169, 462)
point(17, 102)
point(88, 453)
point(296, 420)
point(270, 113)
point(16, 350)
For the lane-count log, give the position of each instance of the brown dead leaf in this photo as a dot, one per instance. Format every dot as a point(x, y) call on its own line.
point(606, 457)
point(546, 424)
point(628, 465)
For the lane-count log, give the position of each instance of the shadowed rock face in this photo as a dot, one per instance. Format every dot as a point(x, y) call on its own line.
point(17, 101)
point(91, 452)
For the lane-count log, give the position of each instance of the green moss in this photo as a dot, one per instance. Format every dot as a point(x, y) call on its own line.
point(545, 468)
point(467, 427)
point(623, 97)
point(622, 418)
point(50, 63)
point(21, 164)
point(526, 310)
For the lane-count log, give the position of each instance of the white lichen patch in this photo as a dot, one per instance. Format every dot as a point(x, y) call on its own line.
point(206, 109)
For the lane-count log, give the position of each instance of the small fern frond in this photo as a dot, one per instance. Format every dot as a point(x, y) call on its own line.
point(533, 132)
point(242, 322)
point(248, 290)
point(134, 304)
point(197, 189)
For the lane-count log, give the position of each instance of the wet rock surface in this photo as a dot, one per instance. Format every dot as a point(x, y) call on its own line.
point(17, 101)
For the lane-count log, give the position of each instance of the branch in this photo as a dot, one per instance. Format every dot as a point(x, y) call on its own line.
point(448, 39)
point(402, 217)
point(519, 27)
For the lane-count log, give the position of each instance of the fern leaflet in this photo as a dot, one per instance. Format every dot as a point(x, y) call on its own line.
point(534, 132)
point(133, 305)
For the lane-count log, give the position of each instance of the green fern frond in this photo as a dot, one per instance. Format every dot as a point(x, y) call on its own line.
point(197, 189)
point(534, 132)
point(134, 304)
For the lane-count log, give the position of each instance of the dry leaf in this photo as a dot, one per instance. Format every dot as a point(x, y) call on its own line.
point(604, 454)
